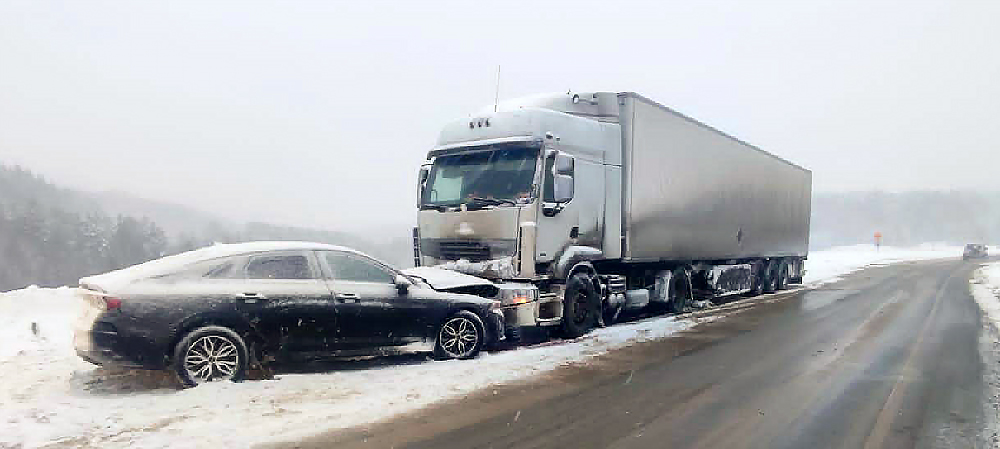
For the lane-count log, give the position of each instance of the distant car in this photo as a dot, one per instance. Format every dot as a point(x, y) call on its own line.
point(205, 313)
point(975, 251)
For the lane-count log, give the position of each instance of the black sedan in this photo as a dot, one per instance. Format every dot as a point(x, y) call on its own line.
point(208, 314)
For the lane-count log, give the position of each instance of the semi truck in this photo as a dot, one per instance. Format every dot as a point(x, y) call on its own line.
point(580, 206)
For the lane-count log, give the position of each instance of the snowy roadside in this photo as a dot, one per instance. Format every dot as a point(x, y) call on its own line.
point(985, 287)
point(51, 397)
point(830, 265)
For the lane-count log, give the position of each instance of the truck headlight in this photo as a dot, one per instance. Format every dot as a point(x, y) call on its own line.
point(518, 295)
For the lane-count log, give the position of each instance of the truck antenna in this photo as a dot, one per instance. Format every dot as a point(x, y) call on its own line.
point(496, 99)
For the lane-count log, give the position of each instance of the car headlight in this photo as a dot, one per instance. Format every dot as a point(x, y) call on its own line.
point(516, 296)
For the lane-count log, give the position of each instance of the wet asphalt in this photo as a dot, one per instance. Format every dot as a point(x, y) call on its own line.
point(890, 357)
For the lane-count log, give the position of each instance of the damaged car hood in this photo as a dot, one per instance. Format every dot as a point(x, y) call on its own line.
point(442, 279)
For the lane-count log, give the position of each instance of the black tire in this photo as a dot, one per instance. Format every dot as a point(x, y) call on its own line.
point(781, 280)
point(217, 350)
point(580, 304)
point(680, 291)
point(769, 277)
point(757, 280)
point(457, 344)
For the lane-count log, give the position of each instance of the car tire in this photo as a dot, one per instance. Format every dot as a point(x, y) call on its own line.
point(454, 336)
point(210, 353)
point(579, 301)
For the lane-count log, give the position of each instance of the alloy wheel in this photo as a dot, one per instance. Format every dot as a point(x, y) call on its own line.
point(211, 357)
point(459, 337)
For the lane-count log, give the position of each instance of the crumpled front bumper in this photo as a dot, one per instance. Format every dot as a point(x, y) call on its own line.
point(495, 321)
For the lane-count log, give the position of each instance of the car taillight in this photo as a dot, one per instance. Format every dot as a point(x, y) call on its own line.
point(112, 303)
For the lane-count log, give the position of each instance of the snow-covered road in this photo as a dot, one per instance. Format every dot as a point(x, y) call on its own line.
point(48, 396)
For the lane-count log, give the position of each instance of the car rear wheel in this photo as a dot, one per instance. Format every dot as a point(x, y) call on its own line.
point(461, 336)
point(209, 354)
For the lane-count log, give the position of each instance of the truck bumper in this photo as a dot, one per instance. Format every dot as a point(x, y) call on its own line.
point(546, 311)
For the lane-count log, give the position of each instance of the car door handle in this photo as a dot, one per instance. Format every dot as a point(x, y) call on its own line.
point(343, 297)
point(252, 297)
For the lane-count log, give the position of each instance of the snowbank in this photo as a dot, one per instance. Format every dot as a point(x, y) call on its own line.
point(830, 265)
point(49, 396)
point(986, 289)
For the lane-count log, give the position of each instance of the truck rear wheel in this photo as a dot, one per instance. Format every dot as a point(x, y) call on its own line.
point(580, 306)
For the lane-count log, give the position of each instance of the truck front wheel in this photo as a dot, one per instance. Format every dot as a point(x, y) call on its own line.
point(580, 306)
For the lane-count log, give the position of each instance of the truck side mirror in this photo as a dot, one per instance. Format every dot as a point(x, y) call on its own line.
point(559, 184)
point(564, 164)
point(425, 171)
point(562, 190)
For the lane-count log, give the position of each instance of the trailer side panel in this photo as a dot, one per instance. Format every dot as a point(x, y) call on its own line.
point(694, 193)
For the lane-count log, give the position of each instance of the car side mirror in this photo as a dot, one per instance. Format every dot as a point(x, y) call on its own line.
point(402, 284)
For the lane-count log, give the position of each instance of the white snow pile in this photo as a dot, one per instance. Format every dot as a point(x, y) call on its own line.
point(48, 396)
point(830, 265)
point(986, 289)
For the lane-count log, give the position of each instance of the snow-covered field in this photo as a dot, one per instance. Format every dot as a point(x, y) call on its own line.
point(48, 396)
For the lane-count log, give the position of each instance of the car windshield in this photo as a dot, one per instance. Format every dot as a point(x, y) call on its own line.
point(503, 176)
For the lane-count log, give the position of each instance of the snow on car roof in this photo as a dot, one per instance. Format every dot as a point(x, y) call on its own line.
point(168, 264)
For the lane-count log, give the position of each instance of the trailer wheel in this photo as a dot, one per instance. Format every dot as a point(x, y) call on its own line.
point(580, 306)
point(781, 280)
point(769, 277)
point(757, 279)
point(680, 291)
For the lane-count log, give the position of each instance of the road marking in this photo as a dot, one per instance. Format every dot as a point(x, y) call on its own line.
point(891, 407)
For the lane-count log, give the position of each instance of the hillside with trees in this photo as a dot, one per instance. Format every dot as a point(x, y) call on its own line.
point(52, 236)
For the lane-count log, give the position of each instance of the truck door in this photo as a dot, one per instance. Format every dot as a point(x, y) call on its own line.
point(578, 220)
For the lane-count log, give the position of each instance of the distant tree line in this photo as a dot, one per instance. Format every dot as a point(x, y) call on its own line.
point(51, 243)
point(905, 218)
point(52, 236)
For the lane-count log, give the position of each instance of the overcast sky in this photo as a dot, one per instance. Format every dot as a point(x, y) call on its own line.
point(319, 113)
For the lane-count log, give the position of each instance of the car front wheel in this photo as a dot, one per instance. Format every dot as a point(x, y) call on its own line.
point(208, 354)
point(461, 336)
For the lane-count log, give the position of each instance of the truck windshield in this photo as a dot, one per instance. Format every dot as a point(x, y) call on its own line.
point(502, 176)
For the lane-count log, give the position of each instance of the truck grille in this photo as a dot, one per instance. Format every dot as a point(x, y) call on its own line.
point(471, 250)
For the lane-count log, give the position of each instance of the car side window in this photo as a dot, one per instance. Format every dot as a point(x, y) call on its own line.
point(349, 267)
point(279, 267)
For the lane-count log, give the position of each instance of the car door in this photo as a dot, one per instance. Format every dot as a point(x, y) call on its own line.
point(364, 291)
point(291, 303)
